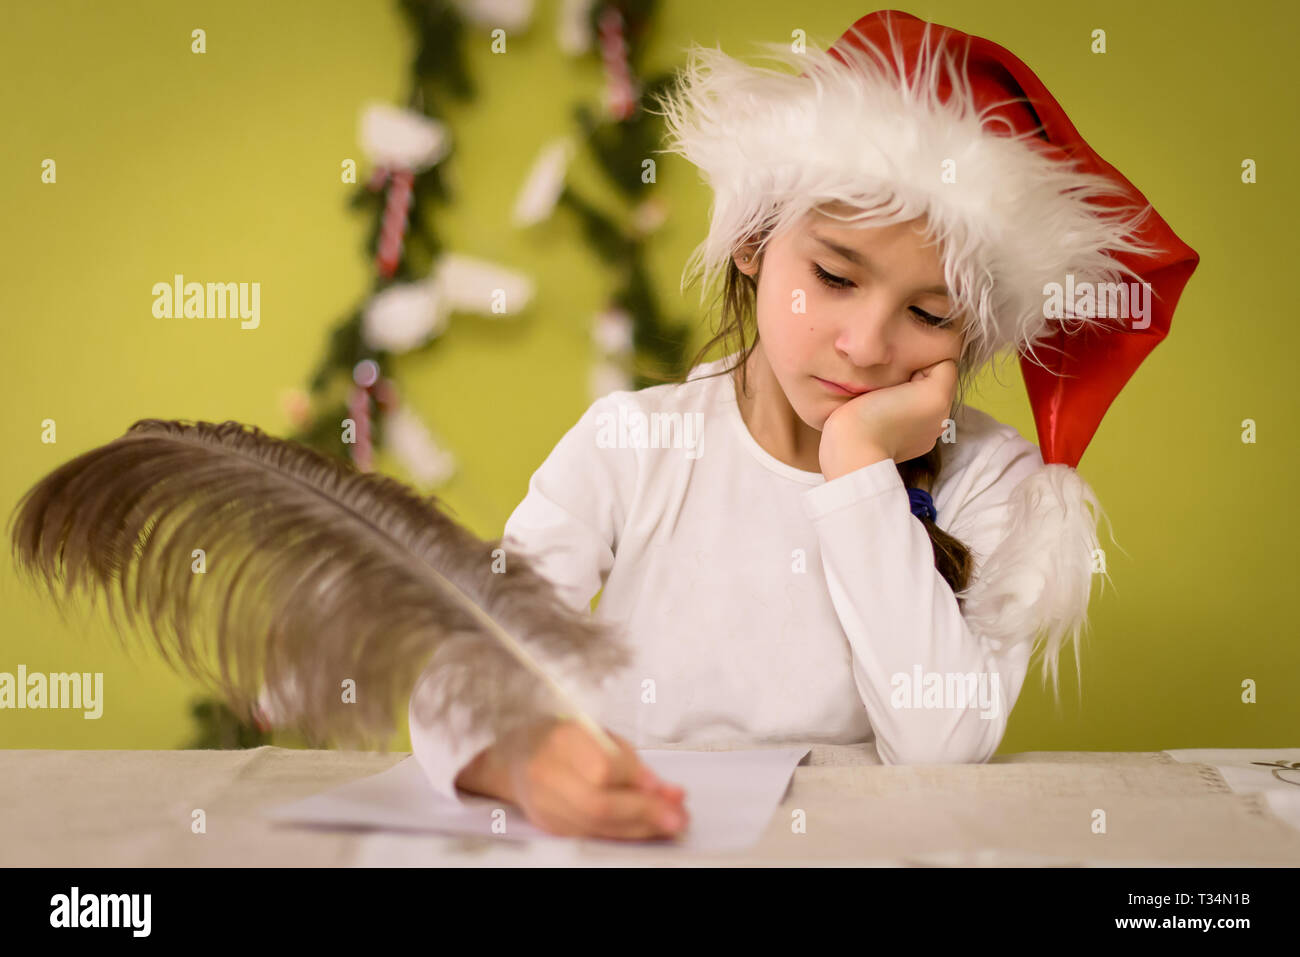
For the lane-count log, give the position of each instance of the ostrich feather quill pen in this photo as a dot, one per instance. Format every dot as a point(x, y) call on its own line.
point(310, 573)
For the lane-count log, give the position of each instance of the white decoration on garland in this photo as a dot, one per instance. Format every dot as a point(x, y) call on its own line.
point(406, 315)
point(403, 139)
point(467, 284)
point(403, 316)
point(415, 447)
point(607, 376)
point(612, 331)
point(572, 27)
point(545, 182)
point(508, 15)
point(649, 215)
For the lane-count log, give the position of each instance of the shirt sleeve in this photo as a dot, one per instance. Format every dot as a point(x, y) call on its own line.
point(568, 525)
point(570, 522)
point(916, 662)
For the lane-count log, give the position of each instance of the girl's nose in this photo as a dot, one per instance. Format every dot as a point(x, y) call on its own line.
point(865, 336)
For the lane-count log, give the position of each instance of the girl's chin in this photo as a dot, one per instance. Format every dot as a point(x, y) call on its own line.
point(814, 417)
point(815, 412)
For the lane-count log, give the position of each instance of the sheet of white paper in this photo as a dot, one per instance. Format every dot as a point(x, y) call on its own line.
point(1273, 771)
point(730, 797)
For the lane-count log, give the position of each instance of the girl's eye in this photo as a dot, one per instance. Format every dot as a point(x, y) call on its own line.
point(835, 282)
point(839, 282)
point(928, 319)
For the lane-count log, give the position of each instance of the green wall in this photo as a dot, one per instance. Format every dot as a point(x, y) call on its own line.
point(225, 167)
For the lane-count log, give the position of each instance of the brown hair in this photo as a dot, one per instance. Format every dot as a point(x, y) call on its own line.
point(952, 559)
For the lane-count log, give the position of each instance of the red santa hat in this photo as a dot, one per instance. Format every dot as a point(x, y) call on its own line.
point(1045, 245)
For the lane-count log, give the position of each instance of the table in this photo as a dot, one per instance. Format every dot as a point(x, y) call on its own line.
point(136, 808)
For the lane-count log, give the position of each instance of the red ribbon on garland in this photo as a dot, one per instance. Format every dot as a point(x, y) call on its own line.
point(397, 211)
point(621, 93)
point(368, 384)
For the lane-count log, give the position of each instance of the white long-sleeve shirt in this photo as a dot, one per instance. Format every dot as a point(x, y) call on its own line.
point(762, 602)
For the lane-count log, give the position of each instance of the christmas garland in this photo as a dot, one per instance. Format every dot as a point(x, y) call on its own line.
point(407, 308)
point(638, 346)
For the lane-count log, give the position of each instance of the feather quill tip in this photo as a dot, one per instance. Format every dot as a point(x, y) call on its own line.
point(321, 590)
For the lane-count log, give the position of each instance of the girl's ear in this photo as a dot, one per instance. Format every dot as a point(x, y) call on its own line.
point(746, 259)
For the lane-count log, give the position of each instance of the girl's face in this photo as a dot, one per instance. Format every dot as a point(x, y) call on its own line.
point(857, 307)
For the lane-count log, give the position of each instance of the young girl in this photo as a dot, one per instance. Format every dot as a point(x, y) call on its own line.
point(813, 539)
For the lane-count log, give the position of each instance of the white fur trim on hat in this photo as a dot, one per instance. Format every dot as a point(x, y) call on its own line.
point(775, 145)
point(1037, 582)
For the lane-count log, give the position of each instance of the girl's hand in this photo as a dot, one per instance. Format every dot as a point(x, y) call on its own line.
point(900, 422)
point(567, 785)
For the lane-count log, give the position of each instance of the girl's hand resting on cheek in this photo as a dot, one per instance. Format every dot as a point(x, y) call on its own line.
point(567, 785)
point(900, 422)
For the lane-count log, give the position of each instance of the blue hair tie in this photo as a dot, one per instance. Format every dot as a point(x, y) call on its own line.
point(922, 504)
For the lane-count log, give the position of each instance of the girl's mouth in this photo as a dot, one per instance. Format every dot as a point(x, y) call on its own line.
point(838, 389)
